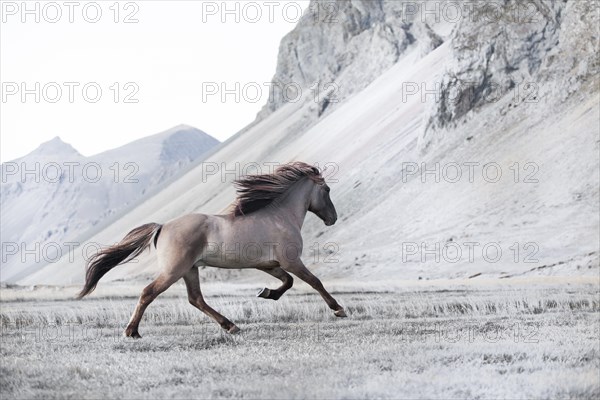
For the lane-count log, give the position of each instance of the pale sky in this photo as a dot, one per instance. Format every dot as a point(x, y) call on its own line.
point(164, 60)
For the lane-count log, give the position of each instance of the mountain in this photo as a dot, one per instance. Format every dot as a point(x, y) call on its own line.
point(337, 51)
point(463, 148)
point(52, 148)
point(53, 195)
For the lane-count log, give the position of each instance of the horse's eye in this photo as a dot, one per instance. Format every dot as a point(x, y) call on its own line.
point(327, 189)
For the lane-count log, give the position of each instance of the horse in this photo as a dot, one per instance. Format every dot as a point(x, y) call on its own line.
point(262, 231)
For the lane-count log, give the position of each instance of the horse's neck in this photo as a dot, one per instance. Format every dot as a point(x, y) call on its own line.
point(293, 206)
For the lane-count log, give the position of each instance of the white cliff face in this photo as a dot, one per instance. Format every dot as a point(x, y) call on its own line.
point(338, 48)
point(54, 194)
point(404, 209)
point(541, 51)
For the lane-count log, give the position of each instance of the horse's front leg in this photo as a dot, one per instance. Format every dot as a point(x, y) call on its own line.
point(298, 268)
point(275, 294)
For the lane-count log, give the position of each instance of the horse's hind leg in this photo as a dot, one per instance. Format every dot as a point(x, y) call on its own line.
point(150, 292)
point(275, 294)
point(192, 282)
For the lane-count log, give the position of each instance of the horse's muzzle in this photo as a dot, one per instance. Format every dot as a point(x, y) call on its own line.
point(330, 222)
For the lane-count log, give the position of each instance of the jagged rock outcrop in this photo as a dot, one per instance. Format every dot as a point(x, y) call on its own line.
point(338, 48)
point(530, 51)
point(538, 51)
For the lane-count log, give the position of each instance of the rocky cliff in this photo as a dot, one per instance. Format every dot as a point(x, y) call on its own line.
point(538, 51)
point(338, 48)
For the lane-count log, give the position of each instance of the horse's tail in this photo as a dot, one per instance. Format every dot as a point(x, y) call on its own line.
point(127, 249)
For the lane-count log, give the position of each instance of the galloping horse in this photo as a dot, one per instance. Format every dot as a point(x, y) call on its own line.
point(265, 222)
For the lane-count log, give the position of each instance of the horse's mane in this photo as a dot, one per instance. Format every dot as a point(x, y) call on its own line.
point(257, 191)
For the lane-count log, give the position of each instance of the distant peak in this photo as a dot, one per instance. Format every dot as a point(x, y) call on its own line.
point(180, 128)
point(54, 147)
point(182, 131)
point(185, 142)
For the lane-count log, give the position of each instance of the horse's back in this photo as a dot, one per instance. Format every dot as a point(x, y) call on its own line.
point(187, 230)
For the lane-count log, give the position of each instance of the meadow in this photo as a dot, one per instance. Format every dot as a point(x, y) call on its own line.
point(415, 343)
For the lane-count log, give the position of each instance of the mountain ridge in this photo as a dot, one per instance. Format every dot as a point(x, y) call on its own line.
point(62, 197)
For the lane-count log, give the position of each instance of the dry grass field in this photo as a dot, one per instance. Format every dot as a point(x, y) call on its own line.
point(429, 343)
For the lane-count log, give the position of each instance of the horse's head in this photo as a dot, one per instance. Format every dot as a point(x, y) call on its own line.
point(321, 205)
point(257, 191)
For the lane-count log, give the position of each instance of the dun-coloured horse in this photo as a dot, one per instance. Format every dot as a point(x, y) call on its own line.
point(262, 231)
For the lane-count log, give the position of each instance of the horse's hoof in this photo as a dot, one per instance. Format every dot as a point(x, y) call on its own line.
point(134, 335)
point(340, 313)
point(265, 293)
point(233, 330)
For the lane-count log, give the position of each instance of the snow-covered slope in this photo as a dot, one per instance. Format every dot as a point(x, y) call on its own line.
point(53, 195)
point(511, 140)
